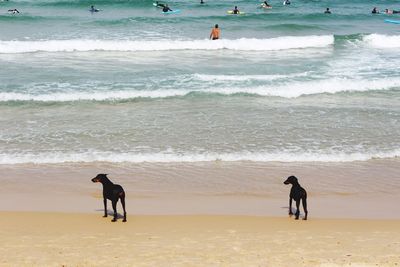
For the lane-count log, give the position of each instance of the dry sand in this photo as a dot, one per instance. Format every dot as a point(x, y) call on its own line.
point(63, 239)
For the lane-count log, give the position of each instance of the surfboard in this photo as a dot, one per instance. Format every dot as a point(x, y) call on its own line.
point(175, 11)
point(231, 13)
point(392, 21)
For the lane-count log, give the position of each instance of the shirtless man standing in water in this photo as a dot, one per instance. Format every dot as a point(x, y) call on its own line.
point(214, 35)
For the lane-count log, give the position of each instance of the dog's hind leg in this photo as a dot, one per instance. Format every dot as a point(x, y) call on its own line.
point(297, 209)
point(304, 201)
point(290, 206)
point(122, 197)
point(114, 205)
point(105, 207)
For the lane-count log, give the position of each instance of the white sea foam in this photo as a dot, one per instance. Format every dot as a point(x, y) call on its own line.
point(288, 90)
point(166, 157)
point(382, 41)
point(222, 78)
point(278, 43)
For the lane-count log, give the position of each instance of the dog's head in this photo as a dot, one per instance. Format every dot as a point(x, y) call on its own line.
point(99, 178)
point(291, 180)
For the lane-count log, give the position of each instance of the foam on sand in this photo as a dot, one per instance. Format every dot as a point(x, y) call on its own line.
point(169, 156)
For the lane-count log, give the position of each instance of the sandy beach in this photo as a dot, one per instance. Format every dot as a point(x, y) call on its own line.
point(62, 239)
point(355, 190)
point(204, 214)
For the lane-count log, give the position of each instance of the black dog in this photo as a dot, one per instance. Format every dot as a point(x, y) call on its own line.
point(112, 192)
point(297, 193)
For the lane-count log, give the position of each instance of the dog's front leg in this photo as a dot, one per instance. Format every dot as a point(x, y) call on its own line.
point(290, 206)
point(105, 207)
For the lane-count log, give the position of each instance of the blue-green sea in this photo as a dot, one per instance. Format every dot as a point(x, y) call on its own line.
point(131, 84)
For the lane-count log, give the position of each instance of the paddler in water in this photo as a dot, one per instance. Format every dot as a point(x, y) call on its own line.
point(327, 11)
point(236, 10)
point(166, 8)
point(214, 35)
point(13, 11)
point(92, 9)
point(375, 11)
point(388, 11)
point(265, 4)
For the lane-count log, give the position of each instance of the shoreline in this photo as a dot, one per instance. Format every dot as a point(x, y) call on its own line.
point(68, 239)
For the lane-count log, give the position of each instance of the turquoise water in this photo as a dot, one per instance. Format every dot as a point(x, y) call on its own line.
point(131, 84)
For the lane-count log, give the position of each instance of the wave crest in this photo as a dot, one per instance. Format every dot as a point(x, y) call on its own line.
point(382, 41)
point(288, 90)
point(278, 43)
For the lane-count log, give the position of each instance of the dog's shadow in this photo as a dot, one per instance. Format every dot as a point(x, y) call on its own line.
point(111, 213)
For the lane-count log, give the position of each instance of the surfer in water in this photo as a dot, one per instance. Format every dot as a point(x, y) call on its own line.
point(375, 11)
point(388, 11)
point(214, 35)
point(236, 10)
point(327, 11)
point(286, 2)
point(201, 2)
point(265, 4)
point(166, 8)
point(13, 11)
point(93, 9)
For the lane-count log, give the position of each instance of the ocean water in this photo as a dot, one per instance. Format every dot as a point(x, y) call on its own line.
point(129, 84)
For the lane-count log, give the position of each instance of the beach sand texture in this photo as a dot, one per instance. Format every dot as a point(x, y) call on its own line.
point(62, 239)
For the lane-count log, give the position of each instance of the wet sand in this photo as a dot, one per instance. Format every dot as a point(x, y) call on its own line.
point(335, 190)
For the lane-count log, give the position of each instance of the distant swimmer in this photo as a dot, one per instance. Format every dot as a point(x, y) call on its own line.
point(327, 11)
point(201, 2)
point(235, 10)
point(93, 9)
point(166, 8)
point(375, 11)
point(388, 11)
point(286, 2)
point(13, 11)
point(158, 4)
point(214, 35)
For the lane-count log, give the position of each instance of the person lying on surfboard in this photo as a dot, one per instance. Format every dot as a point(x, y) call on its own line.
point(92, 9)
point(375, 11)
point(286, 2)
point(388, 11)
point(265, 4)
point(166, 8)
point(13, 11)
